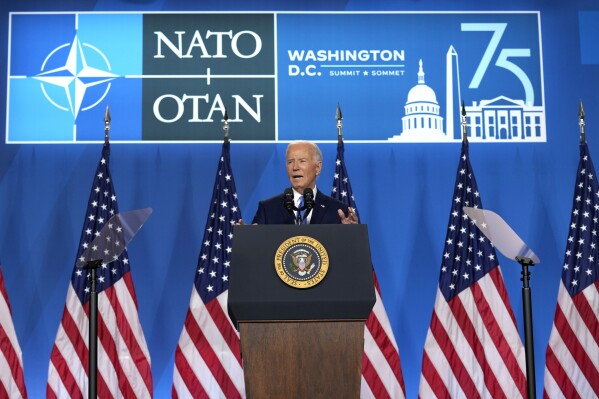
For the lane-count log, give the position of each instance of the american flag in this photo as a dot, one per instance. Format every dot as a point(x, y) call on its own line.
point(12, 382)
point(472, 348)
point(208, 358)
point(572, 356)
point(123, 358)
point(381, 368)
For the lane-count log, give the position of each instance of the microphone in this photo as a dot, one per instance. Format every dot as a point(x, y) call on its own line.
point(308, 200)
point(288, 201)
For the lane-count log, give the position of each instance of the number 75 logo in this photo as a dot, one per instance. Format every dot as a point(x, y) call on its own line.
point(502, 60)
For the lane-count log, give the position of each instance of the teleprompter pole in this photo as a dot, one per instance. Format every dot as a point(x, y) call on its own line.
point(528, 333)
point(92, 365)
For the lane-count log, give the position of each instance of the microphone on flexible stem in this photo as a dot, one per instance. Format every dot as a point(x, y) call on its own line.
point(288, 201)
point(308, 201)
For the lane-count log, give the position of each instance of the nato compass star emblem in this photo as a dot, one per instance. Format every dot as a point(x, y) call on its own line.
point(75, 76)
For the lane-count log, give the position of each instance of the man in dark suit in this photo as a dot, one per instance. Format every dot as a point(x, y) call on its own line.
point(304, 163)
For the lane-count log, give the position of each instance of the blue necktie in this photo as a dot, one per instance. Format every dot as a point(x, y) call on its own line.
point(299, 206)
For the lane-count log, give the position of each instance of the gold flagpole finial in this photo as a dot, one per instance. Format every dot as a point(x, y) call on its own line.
point(464, 124)
point(339, 117)
point(226, 125)
point(107, 120)
point(581, 122)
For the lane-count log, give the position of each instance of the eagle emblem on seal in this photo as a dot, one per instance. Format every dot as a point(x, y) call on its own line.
point(301, 262)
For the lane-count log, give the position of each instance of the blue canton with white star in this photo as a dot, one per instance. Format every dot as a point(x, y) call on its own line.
point(580, 263)
point(212, 273)
point(102, 205)
point(468, 254)
point(341, 186)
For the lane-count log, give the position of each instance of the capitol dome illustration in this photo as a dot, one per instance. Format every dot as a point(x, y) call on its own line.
point(422, 122)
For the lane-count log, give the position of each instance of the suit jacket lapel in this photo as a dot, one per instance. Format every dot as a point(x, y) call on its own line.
point(320, 207)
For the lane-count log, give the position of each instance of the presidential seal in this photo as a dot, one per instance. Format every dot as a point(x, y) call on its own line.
point(301, 262)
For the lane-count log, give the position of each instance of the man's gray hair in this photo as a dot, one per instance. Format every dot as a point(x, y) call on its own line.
point(316, 153)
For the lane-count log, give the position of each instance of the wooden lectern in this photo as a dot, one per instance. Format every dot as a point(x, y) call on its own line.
point(301, 342)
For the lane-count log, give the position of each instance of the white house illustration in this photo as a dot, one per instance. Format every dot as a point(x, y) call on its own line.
point(506, 119)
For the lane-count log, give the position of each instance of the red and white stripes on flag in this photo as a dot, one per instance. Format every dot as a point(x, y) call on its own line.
point(381, 368)
point(123, 359)
point(472, 348)
point(208, 357)
point(12, 382)
point(572, 356)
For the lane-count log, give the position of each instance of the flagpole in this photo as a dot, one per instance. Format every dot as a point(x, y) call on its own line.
point(92, 266)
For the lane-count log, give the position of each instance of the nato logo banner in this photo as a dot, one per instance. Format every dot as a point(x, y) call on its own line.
point(65, 68)
point(166, 77)
point(400, 77)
